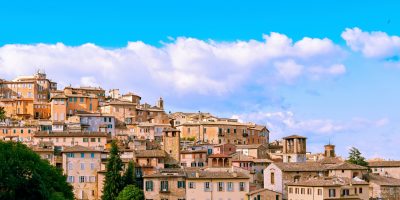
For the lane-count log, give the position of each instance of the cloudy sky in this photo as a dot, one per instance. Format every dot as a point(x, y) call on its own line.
point(329, 71)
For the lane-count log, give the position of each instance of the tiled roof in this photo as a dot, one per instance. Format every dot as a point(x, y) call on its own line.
point(346, 165)
point(249, 146)
point(193, 151)
point(219, 156)
point(70, 134)
point(301, 167)
point(262, 190)
point(382, 180)
point(384, 164)
point(150, 154)
point(202, 174)
point(163, 173)
point(330, 160)
point(79, 148)
point(295, 137)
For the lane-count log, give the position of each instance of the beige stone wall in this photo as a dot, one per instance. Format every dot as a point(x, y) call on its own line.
point(174, 192)
point(391, 171)
point(72, 167)
point(198, 193)
point(347, 173)
point(71, 141)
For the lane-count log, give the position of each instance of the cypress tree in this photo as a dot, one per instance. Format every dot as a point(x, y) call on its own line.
point(113, 182)
point(129, 177)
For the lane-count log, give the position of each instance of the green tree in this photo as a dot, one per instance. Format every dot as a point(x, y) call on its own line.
point(2, 113)
point(129, 177)
point(131, 192)
point(24, 175)
point(355, 157)
point(113, 183)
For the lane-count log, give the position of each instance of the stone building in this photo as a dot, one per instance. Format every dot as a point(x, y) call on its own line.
point(329, 188)
point(166, 184)
point(81, 165)
point(171, 145)
point(386, 168)
point(294, 148)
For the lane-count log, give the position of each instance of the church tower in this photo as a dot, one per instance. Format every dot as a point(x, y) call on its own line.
point(329, 151)
point(294, 148)
point(171, 145)
point(160, 103)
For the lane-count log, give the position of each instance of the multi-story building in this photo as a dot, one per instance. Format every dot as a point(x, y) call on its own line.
point(124, 111)
point(81, 165)
point(386, 168)
point(81, 103)
point(329, 188)
point(26, 97)
point(383, 187)
point(179, 184)
point(95, 122)
point(194, 158)
point(253, 150)
point(96, 91)
point(166, 184)
point(149, 161)
point(208, 184)
point(219, 132)
point(68, 139)
point(22, 133)
point(171, 144)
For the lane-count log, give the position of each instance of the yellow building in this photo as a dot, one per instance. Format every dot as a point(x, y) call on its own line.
point(27, 97)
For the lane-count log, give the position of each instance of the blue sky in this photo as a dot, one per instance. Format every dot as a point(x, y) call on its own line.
point(327, 70)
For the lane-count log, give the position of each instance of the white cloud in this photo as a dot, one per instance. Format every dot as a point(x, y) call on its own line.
point(283, 123)
point(184, 65)
point(375, 44)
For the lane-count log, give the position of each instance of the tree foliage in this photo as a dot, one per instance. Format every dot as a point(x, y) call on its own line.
point(113, 182)
point(2, 113)
point(355, 157)
point(131, 192)
point(129, 177)
point(24, 175)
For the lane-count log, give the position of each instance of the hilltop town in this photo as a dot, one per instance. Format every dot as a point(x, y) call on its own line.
point(177, 155)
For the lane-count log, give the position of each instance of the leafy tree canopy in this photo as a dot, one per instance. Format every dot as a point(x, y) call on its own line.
point(355, 157)
point(24, 175)
point(131, 192)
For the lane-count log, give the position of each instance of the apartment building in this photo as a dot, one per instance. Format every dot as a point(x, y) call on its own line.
point(208, 185)
point(67, 139)
point(179, 184)
point(193, 158)
point(94, 122)
point(329, 188)
point(26, 97)
point(22, 133)
point(80, 165)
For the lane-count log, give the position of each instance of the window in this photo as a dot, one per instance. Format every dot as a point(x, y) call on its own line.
point(234, 131)
point(192, 185)
point(82, 166)
point(70, 179)
point(75, 99)
point(92, 166)
point(207, 186)
point(242, 185)
point(360, 190)
point(230, 186)
point(82, 155)
point(81, 179)
point(149, 185)
point(70, 155)
point(290, 190)
point(303, 191)
point(345, 192)
point(81, 99)
point(92, 139)
point(164, 186)
point(319, 191)
point(272, 178)
point(220, 186)
point(92, 155)
point(85, 140)
point(98, 139)
point(181, 184)
point(332, 193)
point(309, 191)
